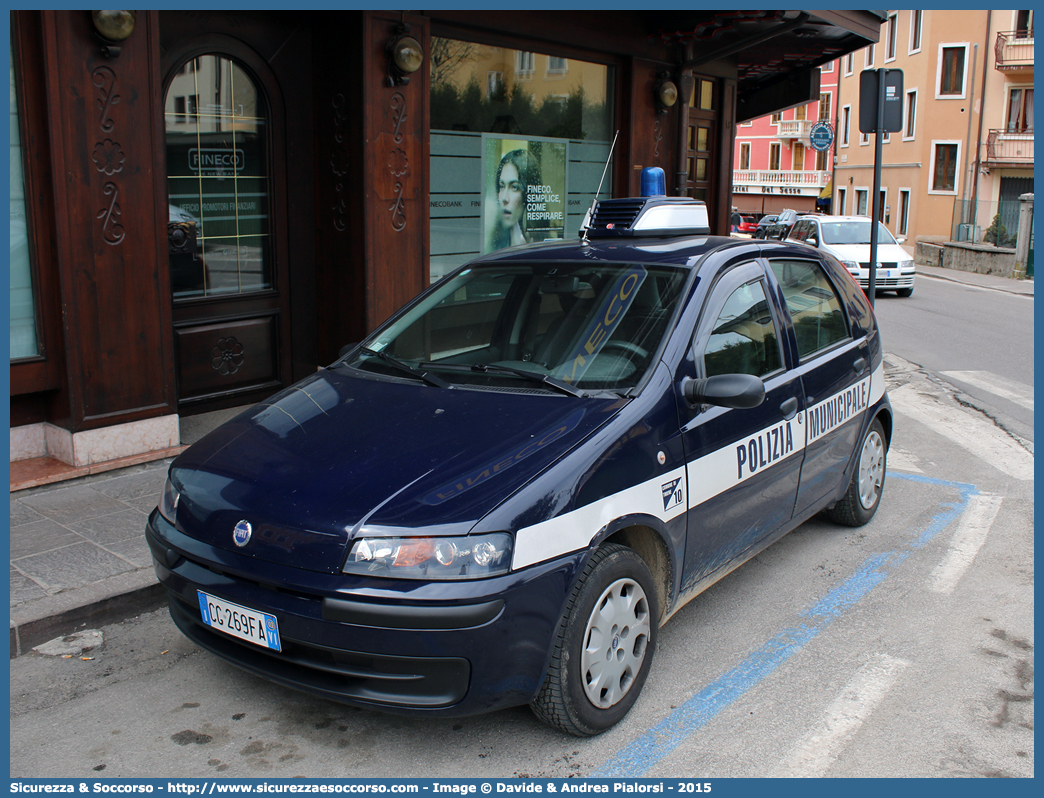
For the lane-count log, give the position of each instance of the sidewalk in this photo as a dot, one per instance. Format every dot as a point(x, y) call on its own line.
point(1022, 287)
point(78, 553)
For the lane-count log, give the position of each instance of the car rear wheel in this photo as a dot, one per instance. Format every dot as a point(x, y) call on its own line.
point(863, 496)
point(605, 645)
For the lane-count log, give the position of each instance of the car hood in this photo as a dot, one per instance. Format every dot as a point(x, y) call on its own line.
point(338, 454)
point(860, 253)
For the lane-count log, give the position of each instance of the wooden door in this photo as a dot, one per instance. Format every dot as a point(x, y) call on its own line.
point(225, 131)
point(702, 146)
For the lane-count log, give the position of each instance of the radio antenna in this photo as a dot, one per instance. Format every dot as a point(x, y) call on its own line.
point(594, 202)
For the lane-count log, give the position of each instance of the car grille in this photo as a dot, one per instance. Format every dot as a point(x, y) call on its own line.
point(882, 283)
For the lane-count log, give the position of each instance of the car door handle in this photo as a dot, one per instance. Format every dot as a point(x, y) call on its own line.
point(859, 366)
point(789, 408)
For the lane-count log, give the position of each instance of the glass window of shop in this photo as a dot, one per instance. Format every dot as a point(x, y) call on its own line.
point(514, 160)
point(24, 342)
point(216, 121)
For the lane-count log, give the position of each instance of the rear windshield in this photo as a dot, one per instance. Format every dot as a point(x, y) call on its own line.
point(589, 326)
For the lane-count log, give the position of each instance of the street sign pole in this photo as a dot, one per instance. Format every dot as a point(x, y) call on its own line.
point(875, 213)
point(880, 112)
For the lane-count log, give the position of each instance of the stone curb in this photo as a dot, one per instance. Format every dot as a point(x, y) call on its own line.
point(98, 604)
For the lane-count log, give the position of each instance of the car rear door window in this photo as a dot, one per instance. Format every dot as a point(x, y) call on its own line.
point(815, 308)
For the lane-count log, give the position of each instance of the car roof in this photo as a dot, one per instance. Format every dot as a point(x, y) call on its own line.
point(673, 250)
point(835, 218)
point(682, 251)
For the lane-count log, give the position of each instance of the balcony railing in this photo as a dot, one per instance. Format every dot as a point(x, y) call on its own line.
point(795, 128)
point(1014, 49)
point(770, 181)
point(1009, 147)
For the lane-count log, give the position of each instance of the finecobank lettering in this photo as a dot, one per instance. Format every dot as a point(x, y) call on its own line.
point(211, 159)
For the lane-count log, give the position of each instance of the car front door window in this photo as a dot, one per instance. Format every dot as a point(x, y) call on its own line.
point(744, 339)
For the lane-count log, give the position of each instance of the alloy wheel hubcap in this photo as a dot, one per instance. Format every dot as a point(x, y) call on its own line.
point(615, 642)
point(871, 470)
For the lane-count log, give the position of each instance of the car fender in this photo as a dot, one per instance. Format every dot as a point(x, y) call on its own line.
point(611, 483)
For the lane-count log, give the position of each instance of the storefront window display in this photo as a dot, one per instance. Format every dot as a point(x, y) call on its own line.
point(23, 311)
point(519, 141)
point(217, 179)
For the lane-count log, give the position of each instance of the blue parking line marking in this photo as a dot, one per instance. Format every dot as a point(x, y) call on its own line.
point(643, 753)
point(942, 520)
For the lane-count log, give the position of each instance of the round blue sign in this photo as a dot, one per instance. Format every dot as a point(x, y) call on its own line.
point(821, 136)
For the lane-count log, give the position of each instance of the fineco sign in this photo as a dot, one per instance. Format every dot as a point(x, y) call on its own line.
point(215, 161)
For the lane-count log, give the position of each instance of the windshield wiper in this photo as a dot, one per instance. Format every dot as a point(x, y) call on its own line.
point(429, 378)
point(546, 379)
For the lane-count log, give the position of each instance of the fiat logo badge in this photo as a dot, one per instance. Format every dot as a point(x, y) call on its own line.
point(241, 534)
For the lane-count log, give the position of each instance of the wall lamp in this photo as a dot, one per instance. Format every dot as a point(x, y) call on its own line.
point(405, 56)
point(113, 27)
point(665, 93)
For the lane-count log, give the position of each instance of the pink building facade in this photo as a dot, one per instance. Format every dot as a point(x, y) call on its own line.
point(774, 164)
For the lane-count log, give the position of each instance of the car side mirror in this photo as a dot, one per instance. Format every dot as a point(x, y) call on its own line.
point(900, 240)
point(812, 241)
point(346, 349)
point(738, 391)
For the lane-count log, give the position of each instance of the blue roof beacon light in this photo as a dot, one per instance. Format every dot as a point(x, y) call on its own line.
point(651, 214)
point(654, 182)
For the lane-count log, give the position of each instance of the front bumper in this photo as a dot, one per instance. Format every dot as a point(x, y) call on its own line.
point(446, 648)
point(886, 280)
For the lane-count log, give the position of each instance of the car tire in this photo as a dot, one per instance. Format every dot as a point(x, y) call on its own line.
point(904, 292)
point(863, 496)
point(594, 679)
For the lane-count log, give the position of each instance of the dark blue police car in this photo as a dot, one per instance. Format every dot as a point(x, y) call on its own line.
point(500, 495)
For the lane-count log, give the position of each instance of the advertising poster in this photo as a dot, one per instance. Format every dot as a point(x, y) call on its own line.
point(525, 195)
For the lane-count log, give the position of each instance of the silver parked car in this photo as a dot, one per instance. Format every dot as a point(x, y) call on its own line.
point(847, 238)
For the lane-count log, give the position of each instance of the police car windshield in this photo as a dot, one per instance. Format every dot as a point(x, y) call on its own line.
point(853, 232)
point(589, 327)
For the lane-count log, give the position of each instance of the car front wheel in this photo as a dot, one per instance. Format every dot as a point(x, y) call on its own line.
point(605, 645)
point(863, 496)
point(904, 292)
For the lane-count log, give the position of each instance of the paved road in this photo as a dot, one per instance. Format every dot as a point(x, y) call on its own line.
point(978, 339)
point(904, 648)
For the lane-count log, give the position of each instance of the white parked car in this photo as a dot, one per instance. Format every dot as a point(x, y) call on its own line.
point(847, 238)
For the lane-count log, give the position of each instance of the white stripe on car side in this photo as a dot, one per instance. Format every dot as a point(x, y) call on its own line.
point(877, 384)
point(725, 468)
point(574, 530)
point(700, 480)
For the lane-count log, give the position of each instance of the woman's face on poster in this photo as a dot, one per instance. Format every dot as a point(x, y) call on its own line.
point(510, 195)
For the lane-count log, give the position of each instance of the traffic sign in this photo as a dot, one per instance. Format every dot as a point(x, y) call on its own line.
point(821, 136)
point(872, 84)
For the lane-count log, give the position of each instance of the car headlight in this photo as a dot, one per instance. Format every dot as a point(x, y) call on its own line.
point(431, 558)
point(906, 264)
point(851, 265)
point(168, 505)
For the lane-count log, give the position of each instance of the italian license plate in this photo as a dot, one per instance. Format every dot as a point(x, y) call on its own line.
point(255, 627)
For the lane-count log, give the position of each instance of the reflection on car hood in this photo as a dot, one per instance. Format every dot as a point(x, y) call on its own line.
point(886, 253)
point(336, 451)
